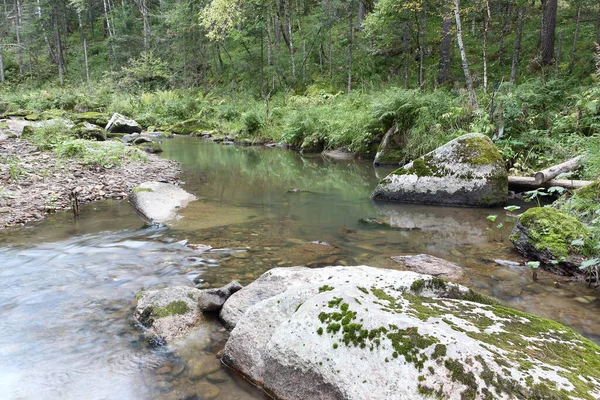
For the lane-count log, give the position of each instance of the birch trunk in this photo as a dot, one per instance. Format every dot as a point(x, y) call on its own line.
point(515, 60)
point(84, 44)
point(18, 33)
point(463, 56)
point(485, 45)
point(575, 38)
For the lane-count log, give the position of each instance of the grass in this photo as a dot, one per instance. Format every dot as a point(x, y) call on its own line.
point(58, 138)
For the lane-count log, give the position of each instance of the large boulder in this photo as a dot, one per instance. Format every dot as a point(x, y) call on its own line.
point(467, 171)
point(92, 117)
point(391, 148)
point(122, 124)
point(368, 333)
point(159, 202)
point(552, 237)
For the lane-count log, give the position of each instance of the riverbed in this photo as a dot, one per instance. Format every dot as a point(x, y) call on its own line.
point(67, 287)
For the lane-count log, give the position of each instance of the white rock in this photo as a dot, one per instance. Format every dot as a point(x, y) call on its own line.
point(366, 333)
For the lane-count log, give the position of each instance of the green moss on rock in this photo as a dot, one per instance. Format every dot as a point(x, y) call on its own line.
point(179, 307)
point(551, 230)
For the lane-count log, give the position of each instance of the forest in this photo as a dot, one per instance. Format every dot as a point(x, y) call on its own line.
point(319, 74)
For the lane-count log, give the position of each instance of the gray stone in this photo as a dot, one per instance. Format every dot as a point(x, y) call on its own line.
point(87, 130)
point(158, 202)
point(169, 313)
point(212, 300)
point(430, 265)
point(339, 154)
point(369, 333)
point(467, 171)
point(120, 123)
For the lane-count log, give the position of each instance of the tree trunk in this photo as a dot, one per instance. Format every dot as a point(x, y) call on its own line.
point(558, 52)
point(575, 37)
point(350, 40)
point(463, 56)
point(59, 49)
point(330, 55)
point(1, 67)
point(515, 60)
point(405, 50)
point(84, 44)
point(422, 40)
point(18, 33)
point(548, 32)
point(288, 28)
point(444, 74)
point(506, 29)
point(598, 27)
point(486, 29)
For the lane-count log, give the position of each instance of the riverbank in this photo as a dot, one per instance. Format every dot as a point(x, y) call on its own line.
point(34, 183)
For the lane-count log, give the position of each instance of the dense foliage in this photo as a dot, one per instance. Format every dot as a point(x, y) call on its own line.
point(319, 74)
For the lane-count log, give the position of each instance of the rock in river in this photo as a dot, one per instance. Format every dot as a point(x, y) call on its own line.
point(547, 235)
point(169, 313)
point(122, 124)
point(467, 171)
point(426, 264)
point(158, 202)
point(369, 333)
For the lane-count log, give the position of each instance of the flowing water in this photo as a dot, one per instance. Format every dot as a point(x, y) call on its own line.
point(67, 288)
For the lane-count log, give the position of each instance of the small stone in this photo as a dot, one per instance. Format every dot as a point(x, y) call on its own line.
point(218, 377)
point(202, 365)
point(206, 390)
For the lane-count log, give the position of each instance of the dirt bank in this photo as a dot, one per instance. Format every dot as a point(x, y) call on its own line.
point(34, 183)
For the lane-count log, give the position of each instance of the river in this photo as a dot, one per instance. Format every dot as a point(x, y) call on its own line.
point(67, 287)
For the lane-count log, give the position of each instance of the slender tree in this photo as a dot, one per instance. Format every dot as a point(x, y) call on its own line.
point(463, 56)
point(444, 70)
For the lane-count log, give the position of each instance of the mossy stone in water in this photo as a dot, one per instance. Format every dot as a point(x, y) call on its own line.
point(467, 171)
point(546, 234)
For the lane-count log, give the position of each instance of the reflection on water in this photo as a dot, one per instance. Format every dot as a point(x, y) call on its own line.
point(67, 287)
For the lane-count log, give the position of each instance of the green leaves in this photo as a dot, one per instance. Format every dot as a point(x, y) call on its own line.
point(533, 264)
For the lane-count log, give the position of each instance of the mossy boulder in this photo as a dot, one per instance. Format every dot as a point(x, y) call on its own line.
point(89, 131)
point(32, 117)
point(546, 234)
point(391, 150)
point(150, 147)
point(28, 131)
point(169, 313)
point(467, 171)
point(92, 117)
point(187, 127)
point(370, 333)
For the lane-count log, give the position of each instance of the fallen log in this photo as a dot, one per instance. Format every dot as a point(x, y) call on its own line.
point(552, 172)
point(520, 183)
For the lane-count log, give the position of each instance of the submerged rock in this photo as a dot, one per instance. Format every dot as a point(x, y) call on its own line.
point(159, 202)
point(120, 123)
point(169, 313)
point(547, 235)
point(212, 300)
point(467, 171)
point(430, 265)
point(368, 333)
